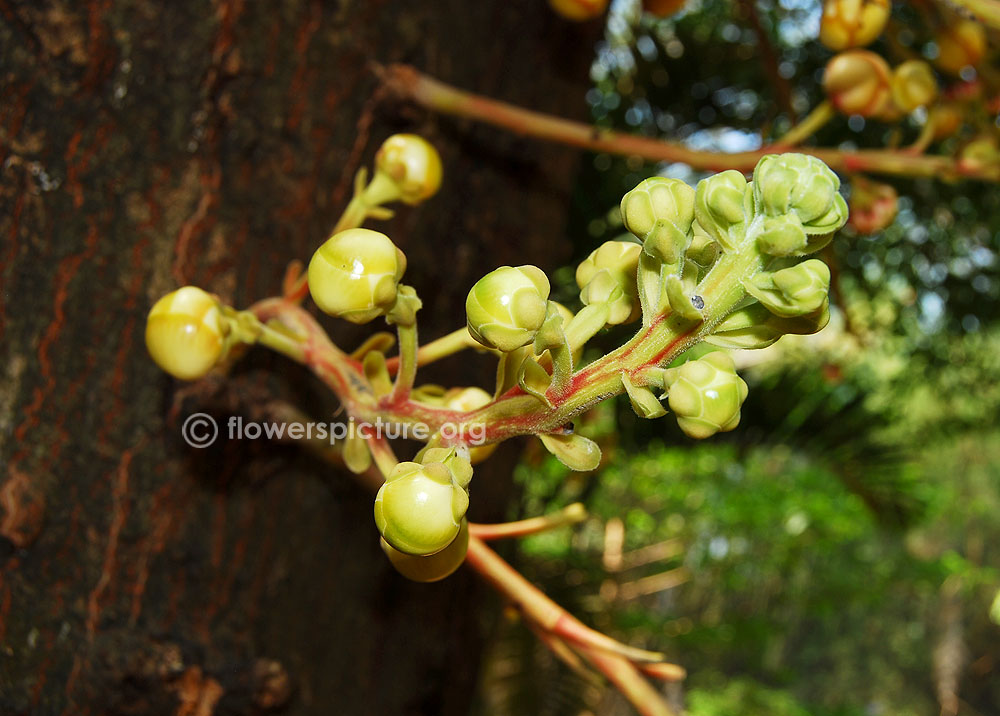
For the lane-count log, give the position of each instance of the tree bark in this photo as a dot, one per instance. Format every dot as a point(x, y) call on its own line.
point(148, 145)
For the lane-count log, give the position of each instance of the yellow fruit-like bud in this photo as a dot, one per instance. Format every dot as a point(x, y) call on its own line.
point(185, 333)
point(960, 45)
point(466, 400)
point(852, 23)
point(619, 260)
point(355, 275)
point(857, 82)
point(579, 10)
point(413, 164)
point(913, 85)
point(419, 509)
point(507, 306)
point(434, 567)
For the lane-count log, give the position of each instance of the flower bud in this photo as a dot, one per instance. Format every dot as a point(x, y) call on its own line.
point(618, 262)
point(720, 205)
point(662, 8)
point(873, 206)
point(706, 394)
point(355, 275)
point(852, 23)
point(413, 164)
point(579, 10)
point(782, 236)
point(419, 509)
point(659, 212)
point(801, 185)
point(857, 82)
point(466, 400)
point(947, 118)
point(507, 306)
point(913, 85)
point(960, 45)
point(792, 291)
point(185, 333)
point(753, 326)
point(433, 567)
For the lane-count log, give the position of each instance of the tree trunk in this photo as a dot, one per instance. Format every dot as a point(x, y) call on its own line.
point(147, 145)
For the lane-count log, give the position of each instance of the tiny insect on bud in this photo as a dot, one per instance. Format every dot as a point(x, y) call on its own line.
point(852, 23)
point(507, 306)
point(419, 509)
point(413, 164)
point(706, 394)
point(185, 333)
point(355, 275)
point(857, 82)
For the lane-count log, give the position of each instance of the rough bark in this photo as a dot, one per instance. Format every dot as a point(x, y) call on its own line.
point(147, 145)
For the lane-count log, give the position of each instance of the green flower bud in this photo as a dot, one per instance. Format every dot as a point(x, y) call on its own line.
point(802, 185)
point(792, 291)
point(433, 567)
point(419, 509)
point(720, 205)
point(706, 394)
point(413, 165)
point(507, 306)
point(782, 236)
point(355, 275)
point(753, 326)
point(185, 333)
point(659, 211)
point(618, 262)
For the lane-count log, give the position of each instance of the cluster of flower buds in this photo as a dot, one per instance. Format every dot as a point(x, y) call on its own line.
point(420, 510)
point(186, 333)
point(848, 24)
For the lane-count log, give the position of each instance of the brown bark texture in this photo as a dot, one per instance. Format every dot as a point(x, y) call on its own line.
point(146, 145)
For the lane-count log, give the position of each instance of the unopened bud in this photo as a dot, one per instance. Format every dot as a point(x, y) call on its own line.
point(857, 82)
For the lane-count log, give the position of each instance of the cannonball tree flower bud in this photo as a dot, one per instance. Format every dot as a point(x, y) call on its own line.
point(659, 212)
point(720, 205)
point(801, 185)
point(852, 23)
point(857, 82)
point(873, 205)
point(706, 395)
point(466, 400)
point(960, 45)
point(413, 164)
point(793, 291)
point(419, 509)
point(432, 567)
point(947, 117)
point(507, 306)
point(620, 261)
point(662, 8)
point(579, 10)
point(355, 275)
point(913, 85)
point(185, 333)
point(782, 236)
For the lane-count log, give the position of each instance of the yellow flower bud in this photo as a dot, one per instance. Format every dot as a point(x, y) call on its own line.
point(706, 394)
point(355, 275)
point(433, 567)
point(419, 509)
point(579, 10)
point(852, 23)
point(466, 400)
point(960, 45)
point(857, 82)
point(620, 261)
point(913, 85)
point(659, 212)
point(507, 306)
point(413, 164)
point(185, 333)
point(947, 118)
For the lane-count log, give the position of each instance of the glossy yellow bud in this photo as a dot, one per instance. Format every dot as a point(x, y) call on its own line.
point(507, 306)
point(419, 509)
point(355, 275)
point(852, 23)
point(913, 85)
point(466, 400)
point(434, 567)
point(960, 45)
point(413, 164)
point(619, 260)
point(185, 333)
point(857, 82)
point(579, 10)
